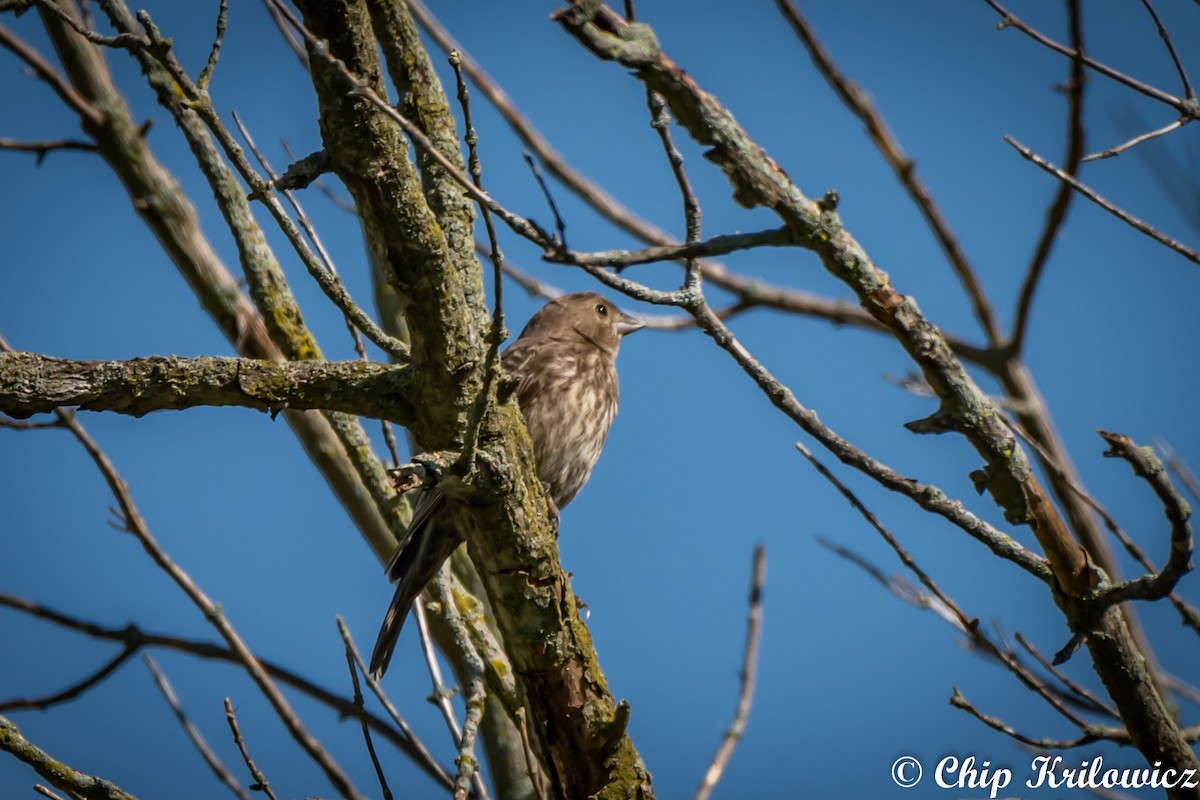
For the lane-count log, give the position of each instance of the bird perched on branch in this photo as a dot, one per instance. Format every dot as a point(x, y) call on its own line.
point(564, 363)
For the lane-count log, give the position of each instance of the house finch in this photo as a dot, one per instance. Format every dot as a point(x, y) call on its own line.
point(564, 363)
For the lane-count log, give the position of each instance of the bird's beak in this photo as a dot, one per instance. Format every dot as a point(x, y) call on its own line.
point(627, 324)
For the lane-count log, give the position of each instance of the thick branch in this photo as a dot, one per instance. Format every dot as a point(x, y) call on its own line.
point(574, 716)
point(37, 384)
point(53, 770)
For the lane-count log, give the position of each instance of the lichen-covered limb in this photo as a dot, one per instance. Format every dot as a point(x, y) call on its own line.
point(36, 384)
point(422, 99)
point(511, 540)
point(64, 777)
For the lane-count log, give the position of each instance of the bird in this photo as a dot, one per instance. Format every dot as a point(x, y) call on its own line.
point(564, 366)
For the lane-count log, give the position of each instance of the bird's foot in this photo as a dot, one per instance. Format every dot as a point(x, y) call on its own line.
point(585, 611)
point(553, 507)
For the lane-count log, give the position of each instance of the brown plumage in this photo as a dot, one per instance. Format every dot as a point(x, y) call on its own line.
point(564, 363)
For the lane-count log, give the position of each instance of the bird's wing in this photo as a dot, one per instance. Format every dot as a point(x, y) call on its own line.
point(537, 367)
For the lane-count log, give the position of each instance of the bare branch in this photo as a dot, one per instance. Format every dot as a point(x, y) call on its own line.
point(1124, 216)
point(718, 245)
point(1057, 212)
point(44, 147)
point(958, 701)
point(1082, 693)
point(392, 711)
point(207, 72)
point(160, 202)
point(1188, 91)
point(748, 676)
point(1145, 137)
point(45, 791)
point(22, 50)
point(75, 783)
point(153, 384)
point(193, 733)
point(76, 689)
point(289, 34)
point(353, 663)
point(260, 781)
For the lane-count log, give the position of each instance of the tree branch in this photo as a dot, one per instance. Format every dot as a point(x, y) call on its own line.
point(69, 780)
point(37, 384)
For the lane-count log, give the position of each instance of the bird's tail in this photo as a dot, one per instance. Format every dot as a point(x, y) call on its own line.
point(429, 545)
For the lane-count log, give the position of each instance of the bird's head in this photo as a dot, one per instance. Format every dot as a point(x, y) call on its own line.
point(585, 316)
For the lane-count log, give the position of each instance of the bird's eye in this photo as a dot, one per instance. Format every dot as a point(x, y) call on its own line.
point(602, 309)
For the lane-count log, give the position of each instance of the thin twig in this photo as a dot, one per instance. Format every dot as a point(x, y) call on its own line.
point(958, 701)
point(126, 40)
point(42, 69)
point(898, 585)
point(76, 689)
point(389, 706)
point(207, 72)
point(1080, 691)
point(26, 425)
point(353, 662)
point(692, 249)
point(1145, 137)
point(1057, 212)
point(536, 287)
point(1090, 194)
point(193, 733)
point(1188, 91)
point(531, 762)
point(559, 225)
point(475, 699)
point(261, 784)
point(441, 694)
point(294, 42)
point(1181, 470)
point(748, 676)
point(43, 147)
point(496, 333)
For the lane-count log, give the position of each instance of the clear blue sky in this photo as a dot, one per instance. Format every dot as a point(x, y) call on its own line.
point(699, 467)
